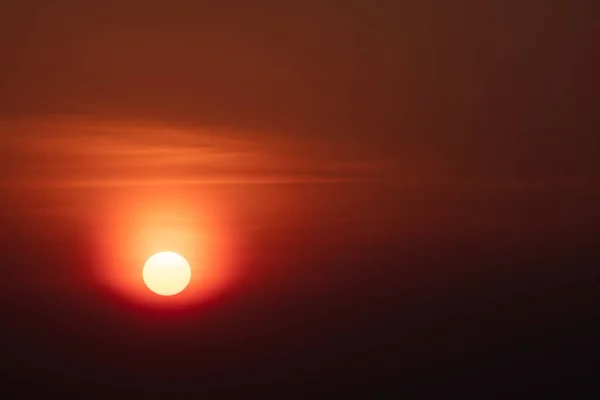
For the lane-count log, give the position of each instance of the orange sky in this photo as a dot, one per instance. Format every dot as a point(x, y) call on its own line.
point(383, 123)
point(363, 189)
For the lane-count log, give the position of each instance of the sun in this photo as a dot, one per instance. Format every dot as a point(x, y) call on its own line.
point(167, 273)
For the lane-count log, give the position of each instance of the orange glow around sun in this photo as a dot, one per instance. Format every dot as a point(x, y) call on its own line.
point(134, 232)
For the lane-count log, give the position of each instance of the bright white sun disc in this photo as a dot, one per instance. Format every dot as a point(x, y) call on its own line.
point(167, 273)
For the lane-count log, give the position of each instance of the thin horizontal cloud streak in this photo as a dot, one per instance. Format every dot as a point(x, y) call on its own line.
point(79, 152)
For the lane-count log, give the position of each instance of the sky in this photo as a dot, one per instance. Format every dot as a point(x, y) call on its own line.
point(470, 86)
point(419, 177)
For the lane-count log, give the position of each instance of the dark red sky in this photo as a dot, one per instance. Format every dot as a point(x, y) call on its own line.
point(480, 87)
point(481, 101)
point(396, 182)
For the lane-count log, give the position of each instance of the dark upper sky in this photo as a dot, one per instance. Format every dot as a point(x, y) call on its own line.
point(477, 87)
